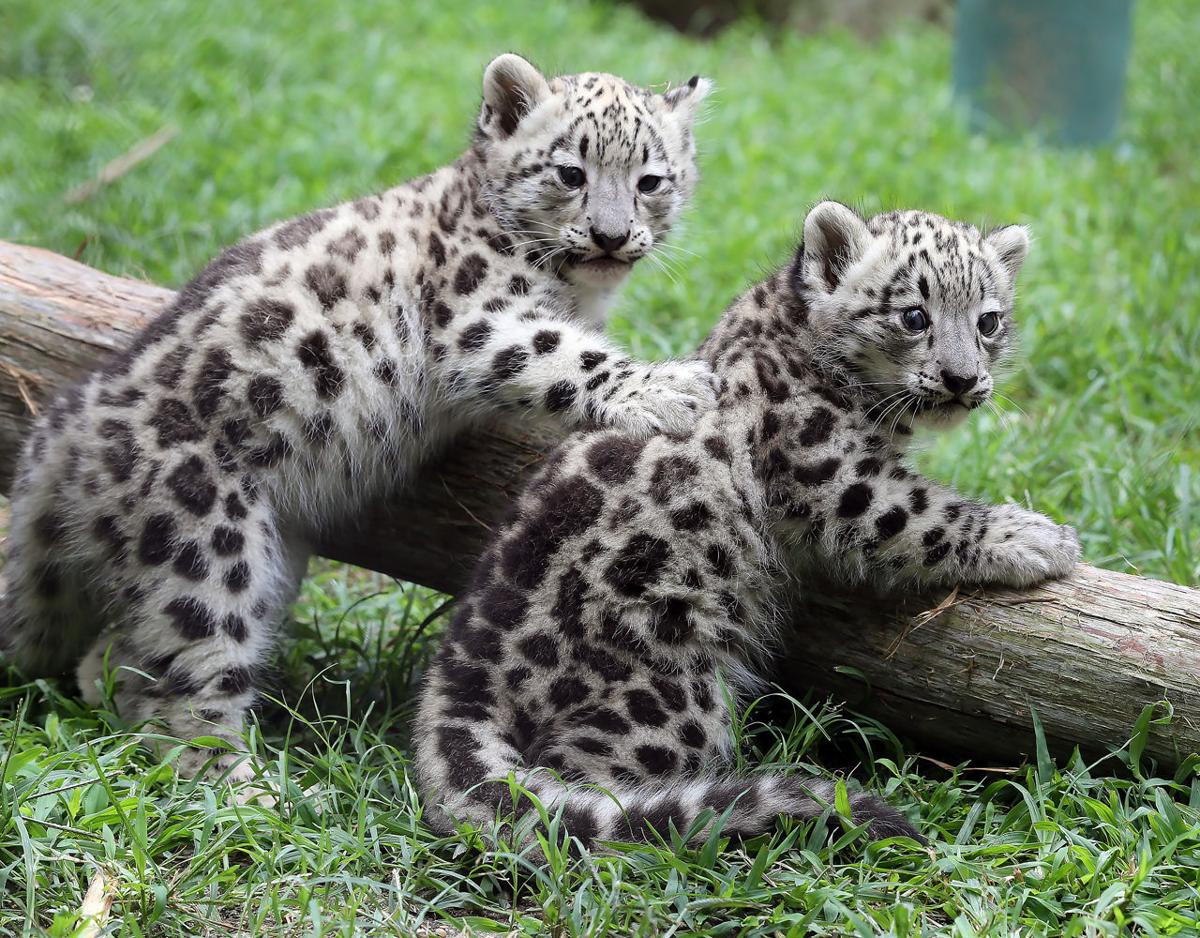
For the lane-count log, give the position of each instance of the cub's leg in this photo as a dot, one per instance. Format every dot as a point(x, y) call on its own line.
point(909, 530)
point(196, 634)
point(552, 366)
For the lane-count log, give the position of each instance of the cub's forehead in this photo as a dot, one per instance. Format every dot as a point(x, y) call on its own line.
point(611, 120)
point(930, 253)
point(926, 229)
point(595, 91)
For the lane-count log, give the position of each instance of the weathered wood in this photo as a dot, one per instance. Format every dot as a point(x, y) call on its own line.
point(59, 320)
point(1089, 652)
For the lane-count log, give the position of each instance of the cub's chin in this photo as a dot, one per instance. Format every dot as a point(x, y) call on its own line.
point(598, 272)
point(945, 415)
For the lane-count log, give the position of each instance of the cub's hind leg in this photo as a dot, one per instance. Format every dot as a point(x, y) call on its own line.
point(197, 634)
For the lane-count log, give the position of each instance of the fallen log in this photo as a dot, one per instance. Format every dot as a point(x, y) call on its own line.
point(961, 672)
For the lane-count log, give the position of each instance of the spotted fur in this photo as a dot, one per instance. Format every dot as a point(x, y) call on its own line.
point(174, 494)
point(638, 578)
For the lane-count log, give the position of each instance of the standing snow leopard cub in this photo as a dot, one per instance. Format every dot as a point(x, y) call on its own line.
point(638, 576)
point(174, 493)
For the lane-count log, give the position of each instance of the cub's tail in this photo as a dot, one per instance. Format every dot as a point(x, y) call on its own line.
point(46, 616)
point(466, 785)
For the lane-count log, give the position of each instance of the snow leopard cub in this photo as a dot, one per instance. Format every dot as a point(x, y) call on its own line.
point(637, 577)
point(174, 493)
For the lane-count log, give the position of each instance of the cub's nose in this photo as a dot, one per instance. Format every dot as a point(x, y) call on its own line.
point(608, 242)
point(958, 384)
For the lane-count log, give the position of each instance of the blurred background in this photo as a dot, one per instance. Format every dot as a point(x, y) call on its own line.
point(1075, 117)
point(271, 109)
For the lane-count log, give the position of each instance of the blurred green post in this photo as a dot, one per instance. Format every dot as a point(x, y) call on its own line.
point(1054, 66)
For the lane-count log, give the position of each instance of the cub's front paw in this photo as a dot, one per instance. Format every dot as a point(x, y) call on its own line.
point(1024, 548)
point(244, 784)
point(665, 397)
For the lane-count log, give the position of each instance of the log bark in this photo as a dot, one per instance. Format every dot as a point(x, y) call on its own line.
point(959, 672)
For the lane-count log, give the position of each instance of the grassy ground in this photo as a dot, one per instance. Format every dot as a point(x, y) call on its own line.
point(283, 107)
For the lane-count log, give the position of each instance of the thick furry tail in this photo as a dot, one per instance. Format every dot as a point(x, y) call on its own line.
point(645, 812)
point(44, 616)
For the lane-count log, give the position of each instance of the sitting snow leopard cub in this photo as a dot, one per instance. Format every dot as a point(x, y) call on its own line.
point(638, 575)
point(174, 494)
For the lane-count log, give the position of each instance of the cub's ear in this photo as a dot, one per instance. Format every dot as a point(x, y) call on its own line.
point(512, 88)
point(834, 238)
point(685, 99)
point(1011, 244)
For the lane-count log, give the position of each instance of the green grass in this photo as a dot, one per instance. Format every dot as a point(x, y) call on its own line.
point(284, 107)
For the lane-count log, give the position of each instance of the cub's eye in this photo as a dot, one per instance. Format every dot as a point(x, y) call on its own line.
point(989, 323)
point(572, 176)
point(648, 184)
point(915, 320)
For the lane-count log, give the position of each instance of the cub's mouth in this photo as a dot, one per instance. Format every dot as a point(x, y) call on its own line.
point(600, 263)
point(604, 268)
point(943, 414)
point(953, 405)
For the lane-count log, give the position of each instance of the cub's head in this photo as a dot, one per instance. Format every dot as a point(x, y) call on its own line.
point(917, 309)
point(590, 170)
